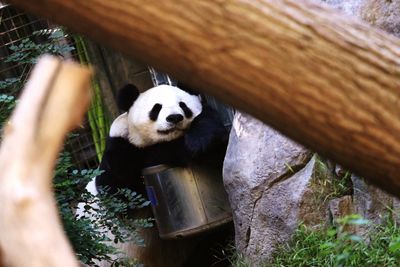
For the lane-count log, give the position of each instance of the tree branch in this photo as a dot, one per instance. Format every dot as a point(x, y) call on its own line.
point(328, 81)
point(53, 102)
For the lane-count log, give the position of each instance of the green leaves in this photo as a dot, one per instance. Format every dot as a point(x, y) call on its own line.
point(24, 54)
point(102, 214)
point(52, 41)
point(353, 219)
point(9, 82)
point(394, 245)
point(341, 246)
point(7, 104)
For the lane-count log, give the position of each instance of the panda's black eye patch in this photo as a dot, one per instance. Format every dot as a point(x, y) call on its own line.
point(188, 112)
point(155, 111)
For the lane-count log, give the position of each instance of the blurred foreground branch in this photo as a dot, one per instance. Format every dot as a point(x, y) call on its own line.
point(53, 102)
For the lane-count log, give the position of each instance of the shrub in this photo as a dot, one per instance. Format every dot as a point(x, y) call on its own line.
point(102, 214)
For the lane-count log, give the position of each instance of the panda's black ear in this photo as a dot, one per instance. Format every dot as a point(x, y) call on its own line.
point(187, 89)
point(191, 91)
point(126, 96)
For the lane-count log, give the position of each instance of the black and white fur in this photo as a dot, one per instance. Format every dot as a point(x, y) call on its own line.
point(163, 125)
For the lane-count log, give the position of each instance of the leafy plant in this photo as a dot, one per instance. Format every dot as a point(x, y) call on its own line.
point(10, 82)
point(343, 243)
point(340, 247)
point(28, 50)
point(104, 213)
point(7, 103)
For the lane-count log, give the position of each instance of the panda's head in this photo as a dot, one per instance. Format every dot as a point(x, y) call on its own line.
point(160, 114)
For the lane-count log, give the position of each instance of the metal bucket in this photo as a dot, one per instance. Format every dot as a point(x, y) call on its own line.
point(186, 201)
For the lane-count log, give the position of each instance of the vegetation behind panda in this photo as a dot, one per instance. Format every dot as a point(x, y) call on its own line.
point(163, 125)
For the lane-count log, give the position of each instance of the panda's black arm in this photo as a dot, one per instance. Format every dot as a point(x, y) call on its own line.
point(206, 133)
point(121, 166)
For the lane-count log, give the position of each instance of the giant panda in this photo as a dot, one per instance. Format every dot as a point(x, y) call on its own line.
point(163, 125)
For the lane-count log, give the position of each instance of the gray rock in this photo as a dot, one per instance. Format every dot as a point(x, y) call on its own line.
point(349, 7)
point(264, 188)
point(340, 207)
point(396, 210)
point(298, 199)
point(370, 202)
point(383, 14)
point(339, 170)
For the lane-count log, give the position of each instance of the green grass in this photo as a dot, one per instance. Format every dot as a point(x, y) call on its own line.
point(335, 186)
point(335, 247)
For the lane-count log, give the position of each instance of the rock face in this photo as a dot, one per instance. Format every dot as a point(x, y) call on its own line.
point(274, 184)
point(349, 7)
point(266, 192)
point(372, 203)
point(383, 14)
point(341, 207)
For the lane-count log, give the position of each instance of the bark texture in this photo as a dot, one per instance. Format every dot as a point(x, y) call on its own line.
point(326, 80)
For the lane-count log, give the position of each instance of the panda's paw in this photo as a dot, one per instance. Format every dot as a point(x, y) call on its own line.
point(198, 145)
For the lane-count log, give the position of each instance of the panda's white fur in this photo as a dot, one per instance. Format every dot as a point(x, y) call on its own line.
point(144, 132)
point(119, 127)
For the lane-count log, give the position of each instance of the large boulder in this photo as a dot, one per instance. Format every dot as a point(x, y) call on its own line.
point(273, 184)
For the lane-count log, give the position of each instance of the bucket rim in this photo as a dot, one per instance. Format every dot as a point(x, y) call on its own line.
point(155, 169)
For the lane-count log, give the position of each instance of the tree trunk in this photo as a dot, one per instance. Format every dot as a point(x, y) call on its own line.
point(328, 81)
point(53, 102)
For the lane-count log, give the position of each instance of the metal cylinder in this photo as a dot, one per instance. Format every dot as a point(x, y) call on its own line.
point(186, 201)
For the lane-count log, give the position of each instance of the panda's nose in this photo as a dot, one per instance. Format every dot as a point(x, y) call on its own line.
point(174, 118)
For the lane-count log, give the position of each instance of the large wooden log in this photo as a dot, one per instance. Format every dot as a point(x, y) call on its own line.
point(53, 102)
point(326, 80)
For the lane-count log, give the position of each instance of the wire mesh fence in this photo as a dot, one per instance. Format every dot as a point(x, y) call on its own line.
point(15, 26)
point(24, 37)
